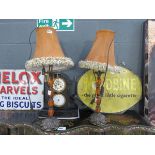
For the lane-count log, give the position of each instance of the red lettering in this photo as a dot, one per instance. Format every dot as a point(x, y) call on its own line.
point(16, 89)
point(34, 90)
point(9, 89)
point(21, 77)
point(28, 91)
point(22, 90)
point(2, 90)
point(36, 77)
point(5, 77)
point(14, 78)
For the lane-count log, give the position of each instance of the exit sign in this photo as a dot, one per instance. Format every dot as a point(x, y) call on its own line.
point(57, 24)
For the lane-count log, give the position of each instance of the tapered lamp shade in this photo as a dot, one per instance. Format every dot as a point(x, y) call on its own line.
point(48, 52)
point(101, 53)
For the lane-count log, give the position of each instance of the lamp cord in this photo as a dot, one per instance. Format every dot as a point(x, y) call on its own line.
point(31, 43)
point(31, 106)
point(107, 64)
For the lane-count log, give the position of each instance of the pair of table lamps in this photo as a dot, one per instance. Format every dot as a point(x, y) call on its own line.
point(49, 57)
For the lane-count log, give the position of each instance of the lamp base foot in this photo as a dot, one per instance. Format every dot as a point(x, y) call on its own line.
point(49, 124)
point(97, 119)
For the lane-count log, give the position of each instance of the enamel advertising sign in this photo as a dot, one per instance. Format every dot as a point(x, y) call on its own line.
point(21, 90)
point(121, 90)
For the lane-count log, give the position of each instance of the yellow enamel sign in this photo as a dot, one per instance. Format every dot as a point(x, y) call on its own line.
point(121, 90)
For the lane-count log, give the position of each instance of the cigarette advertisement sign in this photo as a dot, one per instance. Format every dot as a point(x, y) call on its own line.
point(121, 90)
point(21, 90)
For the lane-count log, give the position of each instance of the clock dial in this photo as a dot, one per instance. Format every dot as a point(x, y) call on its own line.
point(59, 100)
point(59, 85)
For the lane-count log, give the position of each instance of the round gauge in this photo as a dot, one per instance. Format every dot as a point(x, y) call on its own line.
point(59, 85)
point(59, 100)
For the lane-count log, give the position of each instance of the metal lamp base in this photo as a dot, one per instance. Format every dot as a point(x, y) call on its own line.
point(49, 124)
point(97, 119)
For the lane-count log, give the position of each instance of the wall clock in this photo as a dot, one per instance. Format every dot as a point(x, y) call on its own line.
point(59, 85)
point(59, 100)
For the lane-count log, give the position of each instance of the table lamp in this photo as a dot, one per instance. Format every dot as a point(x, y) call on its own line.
point(100, 59)
point(48, 57)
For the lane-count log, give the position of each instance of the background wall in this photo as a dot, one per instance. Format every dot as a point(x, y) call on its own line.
point(15, 48)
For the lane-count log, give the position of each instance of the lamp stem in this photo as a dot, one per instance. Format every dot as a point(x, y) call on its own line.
point(50, 101)
point(98, 92)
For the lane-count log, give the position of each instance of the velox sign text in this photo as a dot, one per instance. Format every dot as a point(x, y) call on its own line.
point(21, 90)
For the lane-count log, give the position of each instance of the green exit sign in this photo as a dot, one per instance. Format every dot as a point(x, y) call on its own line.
point(57, 24)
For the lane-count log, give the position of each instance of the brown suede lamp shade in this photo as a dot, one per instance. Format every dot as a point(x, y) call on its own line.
point(101, 53)
point(48, 52)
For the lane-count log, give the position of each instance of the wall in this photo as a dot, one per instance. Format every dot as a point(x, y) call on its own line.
point(15, 48)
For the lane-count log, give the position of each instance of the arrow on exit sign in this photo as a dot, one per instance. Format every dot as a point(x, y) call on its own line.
point(58, 24)
point(68, 23)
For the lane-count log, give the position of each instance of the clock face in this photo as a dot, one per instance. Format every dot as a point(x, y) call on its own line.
point(59, 100)
point(59, 85)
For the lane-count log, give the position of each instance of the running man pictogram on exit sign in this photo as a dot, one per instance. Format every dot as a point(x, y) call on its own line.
point(57, 24)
